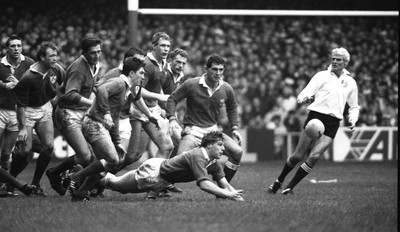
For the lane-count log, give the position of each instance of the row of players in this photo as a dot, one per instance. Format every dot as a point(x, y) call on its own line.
point(102, 117)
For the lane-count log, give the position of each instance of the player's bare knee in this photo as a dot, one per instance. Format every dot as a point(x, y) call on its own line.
point(113, 162)
point(236, 156)
point(294, 159)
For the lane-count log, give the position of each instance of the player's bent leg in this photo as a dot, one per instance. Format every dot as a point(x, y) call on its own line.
point(9, 139)
point(137, 143)
point(187, 143)
point(45, 133)
point(319, 147)
point(234, 152)
point(78, 142)
point(301, 150)
point(124, 184)
point(162, 140)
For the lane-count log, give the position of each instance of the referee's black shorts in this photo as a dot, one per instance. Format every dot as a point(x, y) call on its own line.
point(331, 123)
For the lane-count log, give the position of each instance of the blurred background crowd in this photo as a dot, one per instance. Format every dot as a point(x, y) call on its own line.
point(270, 58)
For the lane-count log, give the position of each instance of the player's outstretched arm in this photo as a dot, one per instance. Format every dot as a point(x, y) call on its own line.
point(212, 188)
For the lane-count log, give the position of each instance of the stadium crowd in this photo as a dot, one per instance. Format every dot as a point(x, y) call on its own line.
point(270, 58)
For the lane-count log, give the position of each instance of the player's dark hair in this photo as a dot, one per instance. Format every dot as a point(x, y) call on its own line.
point(131, 64)
point(12, 37)
point(43, 48)
point(178, 51)
point(215, 59)
point(88, 41)
point(158, 36)
point(134, 51)
point(211, 138)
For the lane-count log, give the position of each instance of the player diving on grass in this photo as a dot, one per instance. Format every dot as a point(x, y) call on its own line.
point(194, 165)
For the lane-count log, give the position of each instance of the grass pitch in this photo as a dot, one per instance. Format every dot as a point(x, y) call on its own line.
point(364, 198)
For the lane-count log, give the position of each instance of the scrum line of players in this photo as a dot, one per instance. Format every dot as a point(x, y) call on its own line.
point(108, 121)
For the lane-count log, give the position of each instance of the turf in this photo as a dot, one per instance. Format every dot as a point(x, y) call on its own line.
point(364, 198)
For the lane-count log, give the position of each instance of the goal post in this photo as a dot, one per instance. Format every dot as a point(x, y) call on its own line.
point(134, 11)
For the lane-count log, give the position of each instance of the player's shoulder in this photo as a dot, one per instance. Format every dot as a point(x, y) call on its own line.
point(58, 67)
point(227, 86)
point(115, 72)
point(29, 61)
point(322, 73)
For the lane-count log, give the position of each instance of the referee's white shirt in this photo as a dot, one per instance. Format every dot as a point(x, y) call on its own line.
point(331, 94)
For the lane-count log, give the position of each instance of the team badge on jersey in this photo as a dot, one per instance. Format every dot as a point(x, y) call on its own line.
point(53, 79)
point(221, 103)
point(344, 83)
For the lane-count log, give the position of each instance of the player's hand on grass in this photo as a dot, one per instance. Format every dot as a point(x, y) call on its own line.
point(236, 195)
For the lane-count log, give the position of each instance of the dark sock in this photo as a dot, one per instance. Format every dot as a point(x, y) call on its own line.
point(229, 173)
point(5, 161)
point(93, 168)
point(18, 164)
point(41, 165)
point(7, 178)
point(89, 183)
point(67, 164)
point(286, 170)
point(303, 171)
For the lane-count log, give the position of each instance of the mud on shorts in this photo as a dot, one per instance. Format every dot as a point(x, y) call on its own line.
point(69, 120)
point(93, 130)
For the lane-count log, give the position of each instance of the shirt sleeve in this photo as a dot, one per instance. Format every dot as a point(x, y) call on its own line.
point(216, 171)
point(176, 96)
point(22, 90)
point(198, 167)
point(73, 87)
point(231, 107)
point(310, 89)
point(352, 100)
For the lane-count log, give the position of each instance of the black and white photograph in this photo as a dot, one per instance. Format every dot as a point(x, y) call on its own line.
point(199, 116)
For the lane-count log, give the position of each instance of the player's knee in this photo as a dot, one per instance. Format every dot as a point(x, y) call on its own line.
point(236, 156)
point(131, 158)
point(48, 151)
point(83, 160)
point(167, 147)
point(25, 152)
point(113, 162)
point(294, 159)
